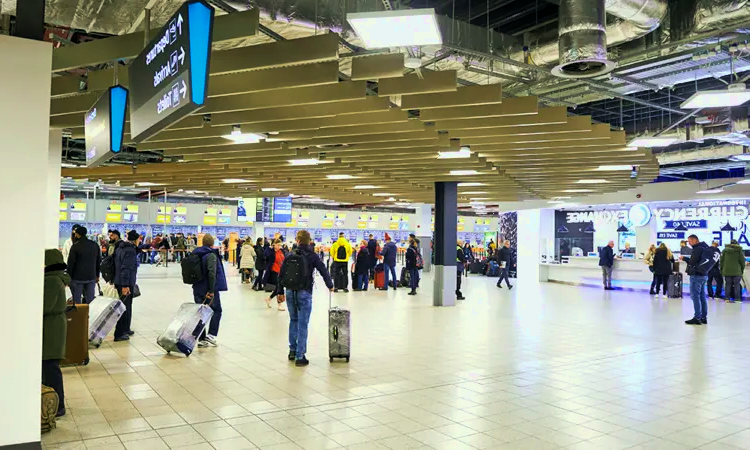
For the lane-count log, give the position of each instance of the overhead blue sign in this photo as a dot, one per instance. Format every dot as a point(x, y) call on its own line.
point(671, 235)
point(104, 125)
point(169, 78)
point(689, 224)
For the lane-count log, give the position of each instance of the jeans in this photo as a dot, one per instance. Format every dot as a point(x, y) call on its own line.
point(300, 307)
point(504, 275)
point(413, 278)
point(123, 324)
point(607, 276)
point(259, 279)
point(698, 295)
point(734, 289)
point(213, 326)
point(710, 285)
point(417, 276)
point(85, 288)
point(363, 281)
point(661, 280)
point(52, 377)
point(392, 271)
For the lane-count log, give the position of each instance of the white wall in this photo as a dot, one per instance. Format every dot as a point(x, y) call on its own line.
point(24, 140)
point(535, 227)
point(606, 230)
point(52, 197)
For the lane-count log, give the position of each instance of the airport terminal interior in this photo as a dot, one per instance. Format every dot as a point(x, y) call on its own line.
point(375, 224)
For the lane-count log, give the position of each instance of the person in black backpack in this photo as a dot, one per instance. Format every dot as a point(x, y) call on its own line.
point(341, 252)
point(126, 268)
point(208, 287)
point(296, 278)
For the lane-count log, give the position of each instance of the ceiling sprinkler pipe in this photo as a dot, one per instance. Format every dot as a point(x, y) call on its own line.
point(582, 40)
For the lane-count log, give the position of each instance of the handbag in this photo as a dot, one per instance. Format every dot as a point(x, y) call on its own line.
point(136, 291)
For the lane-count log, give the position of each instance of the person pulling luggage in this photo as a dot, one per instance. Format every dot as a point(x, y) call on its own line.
point(126, 269)
point(341, 251)
point(296, 285)
point(208, 287)
point(389, 262)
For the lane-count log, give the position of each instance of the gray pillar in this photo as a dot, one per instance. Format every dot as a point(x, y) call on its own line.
point(30, 19)
point(446, 213)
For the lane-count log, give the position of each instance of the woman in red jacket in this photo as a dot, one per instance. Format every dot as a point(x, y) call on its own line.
point(274, 259)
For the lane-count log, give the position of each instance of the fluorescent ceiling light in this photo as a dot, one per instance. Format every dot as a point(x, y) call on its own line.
point(270, 189)
point(592, 181)
point(561, 197)
point(474, 193)
point(148, 183)
point(244, 138)
point(391, 199)
point(463, 153)
point(734, 95)
point(653, 141)
point(401, 204)
point(365, 186)
point(235, 180)
point(399, 28)
point(710, 191)
point(615, 167)
point(68, 165)
point(339, 176)
point(741, 157)
point(746, 181)
point(304, 162)
point(464, 172)
point(479, 198)
point(555, 201)
point(470, 184)
point(578, 190)
point(381, 194)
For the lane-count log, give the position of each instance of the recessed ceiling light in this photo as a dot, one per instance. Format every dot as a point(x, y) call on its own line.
point(470, 184)
point(577, 190)
point(304, 162)
point(745, 181)
point(381, 194)
point(339, 176)
point(244, 138)
point(235, 180)
point(148, 183)
point(366, 186)
point(474, 192)
point(592, 181)
point(401, 204)
point(710, 191)
point(463, 172)
point(735, 95)
point(270, 189)
point(740, 157)
point(653, 141)
point(398, 28)
point(479, 198)
point(460, 154)
point(615, 167)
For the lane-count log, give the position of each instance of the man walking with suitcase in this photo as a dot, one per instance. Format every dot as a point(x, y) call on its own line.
point(296, 286)
point(84, 263)
point(341, 251)
point(389, 262)
point(208, 287)
point(702, 260)
point(126, 268)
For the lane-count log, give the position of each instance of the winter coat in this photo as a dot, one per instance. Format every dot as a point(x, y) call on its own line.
point(372, 249)
point(55, 325)
point(213, 280)
point(364, 262)
point(663, 265)
point(248, 256)
point(126, 264)
point(701, 259)
point(732, 261)
point(341, 242)
point(607, 257)
point(648, 258)
point(260, 258)
point(411, 258)
point(503, 256)
point(389, 254)
point(84, 260)
point(460, 258)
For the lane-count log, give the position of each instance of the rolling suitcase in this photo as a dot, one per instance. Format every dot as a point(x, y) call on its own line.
point(674, 285)
point(405, 280)
point(475, 267)
point(185, 329)
point(77, 336)
point(354, 281)
point(339, 328)
point(104, 312)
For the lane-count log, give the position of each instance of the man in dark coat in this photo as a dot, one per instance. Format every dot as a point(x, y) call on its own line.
point(84, 262)
point(208, 287)
point(607, 262)
point(372, 248)
point(503, 259)
point(126, 268)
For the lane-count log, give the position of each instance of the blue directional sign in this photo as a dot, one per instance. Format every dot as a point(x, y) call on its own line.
point(105, 125)
point(169, 79)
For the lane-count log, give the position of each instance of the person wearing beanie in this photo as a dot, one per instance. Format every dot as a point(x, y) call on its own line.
point(84, 264)
point(126, 268)
point(389, 261)
point(207, 289)
point(55, 325)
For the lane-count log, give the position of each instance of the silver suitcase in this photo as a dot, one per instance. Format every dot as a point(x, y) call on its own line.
point(104, 312)
point(181, 335)
point(339, 332)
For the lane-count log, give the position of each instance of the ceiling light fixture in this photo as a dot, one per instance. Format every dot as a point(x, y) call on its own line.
point(304, 162)
point(577, 190)
point(649, 142)
point(561, 197)
point(148, 183)
point(399, 28)
point(401, 204)
point(710, 191)
point(340, 176)
point(471, 184)
point(734, 95)
point(463, 153)
point(235, 180)
point(270, 189)
point(365, 186)
point(474, 193)
point(615, 167)
point(243, 138)
point(381, 194)
point(592, 181)
point(463, 172)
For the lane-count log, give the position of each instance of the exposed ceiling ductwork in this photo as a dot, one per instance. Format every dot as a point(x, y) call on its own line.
point(582, 40)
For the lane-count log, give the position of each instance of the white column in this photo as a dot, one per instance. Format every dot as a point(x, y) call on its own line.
point(645, 236)
point(51, 209)
point(423, 231)
point(24, 139)
point(536, 232)
point(260, 229)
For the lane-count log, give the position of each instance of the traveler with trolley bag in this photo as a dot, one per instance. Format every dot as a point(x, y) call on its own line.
point(296, 286)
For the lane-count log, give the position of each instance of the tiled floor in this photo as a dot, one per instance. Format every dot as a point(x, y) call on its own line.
point(542, 366)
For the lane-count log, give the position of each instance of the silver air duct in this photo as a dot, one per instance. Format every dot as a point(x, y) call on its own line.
point(582, 40)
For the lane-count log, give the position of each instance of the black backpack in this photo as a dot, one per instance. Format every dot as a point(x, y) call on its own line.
point(192, 269)
point(341, 253)
point(107, 268)
point(296, 271)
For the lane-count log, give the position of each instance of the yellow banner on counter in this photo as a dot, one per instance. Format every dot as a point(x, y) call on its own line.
point(113, 218)
point(209, 220)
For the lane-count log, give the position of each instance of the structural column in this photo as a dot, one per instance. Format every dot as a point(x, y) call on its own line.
point(536, 236)
point(24, 140)
point(51, 207)
point(446, 214)
point(424, 234)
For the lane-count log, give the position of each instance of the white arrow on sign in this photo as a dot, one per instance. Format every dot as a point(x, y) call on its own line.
point(183, 89)
point(182, 56)
point(179, 23)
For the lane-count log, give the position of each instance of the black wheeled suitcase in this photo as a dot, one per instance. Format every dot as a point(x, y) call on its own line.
point(405, 280)
point(339, 332)
point(475, 267)
point(674, 285)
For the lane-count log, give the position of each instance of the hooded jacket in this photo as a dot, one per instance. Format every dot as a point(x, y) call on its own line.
point(341, 242)
point(701, 259)
point(732, 261)
point(389, 254)
point(126, 264)
point(364, 262)
point(248, 256)
point(84, 260)
point(55, 325)
point(213, 280)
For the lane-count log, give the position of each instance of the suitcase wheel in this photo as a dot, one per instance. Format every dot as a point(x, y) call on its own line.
point(347, 359)
point(330, 359)
point(86, 361)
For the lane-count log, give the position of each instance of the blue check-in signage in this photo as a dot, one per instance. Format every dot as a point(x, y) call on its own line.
point(104, 125)
point(169, 79)
point(689, 224)
point(670, 235)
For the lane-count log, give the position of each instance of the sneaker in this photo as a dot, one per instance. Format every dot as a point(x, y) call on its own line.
point(412, 293)
point(202, 344)
point(268, 302)
point(704, 321)
point(693, 321)
point(335, 290)
point(651, 293)
point(357, 290)
point(658, 295)
point(292, 355)
point(60, 412)
point(301, 362)
point(460, 297)
point(131, 332)
point(510, 287)
point(346, 290)
point(122, 338)
point(499, 286)
point(282, 307)
point(211, 340)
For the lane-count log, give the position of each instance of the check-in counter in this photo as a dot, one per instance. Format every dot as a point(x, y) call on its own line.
point(628, 274)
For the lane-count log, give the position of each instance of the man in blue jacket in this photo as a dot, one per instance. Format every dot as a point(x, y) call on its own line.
point(702, 260)
point(126, 269)
point(300, 300)
point(389, 261)
point(208, 287)
point(607, 262)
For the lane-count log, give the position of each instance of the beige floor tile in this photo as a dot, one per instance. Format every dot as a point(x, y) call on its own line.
point(147, 444)
point(236, 443)
point(318, 443)
point(267, 439)
point(165, 421)
point(105, 443)
point(76, 445)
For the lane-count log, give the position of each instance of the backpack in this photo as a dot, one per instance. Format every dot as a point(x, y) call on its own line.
point(341, 253)
point(295, 268)
point(709, 258)
point(107, 268)
point(50, 405)
point(419, 262)
point(192, 269)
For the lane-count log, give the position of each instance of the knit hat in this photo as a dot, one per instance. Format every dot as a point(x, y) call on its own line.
point(387, 237)
point(133, 235)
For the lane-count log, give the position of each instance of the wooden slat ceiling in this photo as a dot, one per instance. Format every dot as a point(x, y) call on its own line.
point(290, 91)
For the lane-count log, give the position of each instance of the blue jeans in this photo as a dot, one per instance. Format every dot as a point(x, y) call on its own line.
point(698, 295)
point(83, 288)
point(392, 271)
point(299, 307)
point(213, 326)
point(363, 281)
point(413, 278)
